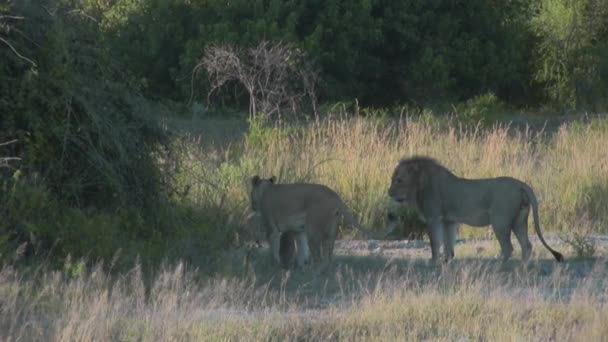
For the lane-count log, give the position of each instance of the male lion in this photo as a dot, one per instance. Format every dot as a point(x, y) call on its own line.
point(444, 200)
point(310, 213)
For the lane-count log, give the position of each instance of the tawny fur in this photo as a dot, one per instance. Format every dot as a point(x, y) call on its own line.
point(311, 213)
point(444, 200)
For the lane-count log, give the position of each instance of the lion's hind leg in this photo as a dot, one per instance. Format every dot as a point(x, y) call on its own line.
point(323, 230)
point(449, 239)
point(503, 235)
point(520, 228)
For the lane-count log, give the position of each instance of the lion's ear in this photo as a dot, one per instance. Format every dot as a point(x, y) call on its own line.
point(255, 180)
point(272, 179)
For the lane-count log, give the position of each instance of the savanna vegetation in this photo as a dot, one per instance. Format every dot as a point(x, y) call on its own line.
point(129, 130)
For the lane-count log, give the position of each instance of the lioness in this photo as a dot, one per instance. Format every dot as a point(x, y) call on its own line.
point(311, 212)
point(444, 200)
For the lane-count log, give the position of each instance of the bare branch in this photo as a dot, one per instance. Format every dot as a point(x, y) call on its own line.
point(194, 72)
point(275, 75)
point(9, 142)
point(4, 161)
point(83, 14)
point(15, 17)
point(17, 53)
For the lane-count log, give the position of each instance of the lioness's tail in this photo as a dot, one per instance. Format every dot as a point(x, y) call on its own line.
point(534, 203)
point(349, 220)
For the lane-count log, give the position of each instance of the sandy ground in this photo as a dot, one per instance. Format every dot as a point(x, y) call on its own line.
point(464, 247)
point(365, 258)
point(361, 267)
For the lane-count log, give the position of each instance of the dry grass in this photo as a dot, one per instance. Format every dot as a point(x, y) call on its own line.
point(470, 300)
point(364, 297)
point(567, 169)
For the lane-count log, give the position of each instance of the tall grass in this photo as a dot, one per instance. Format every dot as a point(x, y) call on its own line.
point(568, 168)
point(472, 301)
point(365, 298)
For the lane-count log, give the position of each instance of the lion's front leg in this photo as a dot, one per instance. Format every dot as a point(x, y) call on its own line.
point(303, 250)
point(436, 236)
point(287, 250)
point(275, 247)
point(449, 239)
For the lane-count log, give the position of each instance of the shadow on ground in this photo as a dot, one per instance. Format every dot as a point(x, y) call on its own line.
point(353, 277)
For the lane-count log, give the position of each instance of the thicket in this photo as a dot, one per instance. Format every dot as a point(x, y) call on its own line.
point(382, 52)
point(94, 175)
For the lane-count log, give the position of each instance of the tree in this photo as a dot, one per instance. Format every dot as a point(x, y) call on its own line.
point(571, 50)
point(275, 76)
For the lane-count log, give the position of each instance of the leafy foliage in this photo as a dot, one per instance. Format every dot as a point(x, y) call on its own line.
point(381, 52)
point(75, 116)
point(478, 108)
point(89, 181)
point(572, 50)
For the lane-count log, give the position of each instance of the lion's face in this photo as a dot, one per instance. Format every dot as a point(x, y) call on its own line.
point(403, 184)
point(258, 187)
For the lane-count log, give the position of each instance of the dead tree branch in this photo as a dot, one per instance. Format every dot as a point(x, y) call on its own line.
point(5, 160)
point(17, 53)
point(7, 28)
point(8, 142)
point(275, 76)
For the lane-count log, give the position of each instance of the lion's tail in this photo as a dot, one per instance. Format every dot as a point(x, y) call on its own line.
point(534, 203)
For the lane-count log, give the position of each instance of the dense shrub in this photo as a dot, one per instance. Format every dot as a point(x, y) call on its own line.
point(75, 114)
point(89, 181)
point(381, 52)
point(572, 50)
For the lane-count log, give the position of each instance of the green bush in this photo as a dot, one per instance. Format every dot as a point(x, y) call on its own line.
point(75, 116)
point(571, 52)
point(32, 214)
point(480, 108)
point(89, 181)
point(381, 52)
